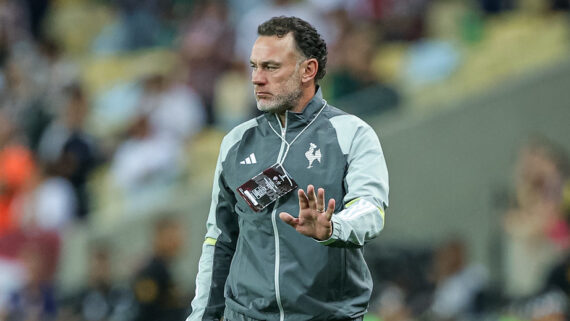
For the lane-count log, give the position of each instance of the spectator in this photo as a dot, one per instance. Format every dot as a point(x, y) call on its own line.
point(12, 28)
point(402, 286)
point(35, 301)
point(157, 295)
point(233, 102)
point(207, 47)
point(18, 91)
point(25, 255)
point(558, 277)
point(392, 305)
point(175, 111)
point(50, 203)
point(102, 299)
point(140, 25)
point(13, 24)
point(65, 145)
point(19, 97)
point(356, 53)
point(170, 114)
point(457, 284)
point(144, 159)
point(58, 76)
point(16, 170)
point(399, 20)
point(536, 231)
point(37, 10)
point(354, 75)
point(141, 22)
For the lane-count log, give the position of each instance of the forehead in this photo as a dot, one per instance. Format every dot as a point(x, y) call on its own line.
point(274, 48)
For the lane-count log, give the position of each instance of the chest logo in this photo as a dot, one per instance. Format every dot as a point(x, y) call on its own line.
point(313, 154)
point(249, 159)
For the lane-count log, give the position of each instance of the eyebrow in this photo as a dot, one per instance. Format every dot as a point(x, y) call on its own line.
point(266, 63)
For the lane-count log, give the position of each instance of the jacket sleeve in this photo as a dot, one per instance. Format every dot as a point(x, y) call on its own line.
point(366, 185)
point(217, 251)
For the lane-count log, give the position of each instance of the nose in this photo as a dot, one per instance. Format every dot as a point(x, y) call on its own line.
point(257, 77)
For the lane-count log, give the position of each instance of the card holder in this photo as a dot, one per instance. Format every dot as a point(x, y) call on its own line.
point(266, 187)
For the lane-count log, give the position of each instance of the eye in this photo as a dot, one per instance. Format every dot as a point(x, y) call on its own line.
point(271, 67)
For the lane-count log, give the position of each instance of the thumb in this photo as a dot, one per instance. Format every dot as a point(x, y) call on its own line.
point(288, 218)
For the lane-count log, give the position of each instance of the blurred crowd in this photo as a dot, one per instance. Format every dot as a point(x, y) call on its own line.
point(105, 102)
point(441, 283)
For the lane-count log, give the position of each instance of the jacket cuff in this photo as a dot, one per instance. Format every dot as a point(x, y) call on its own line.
point(335, 221)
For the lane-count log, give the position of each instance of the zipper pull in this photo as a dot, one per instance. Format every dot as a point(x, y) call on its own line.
point(284, 128)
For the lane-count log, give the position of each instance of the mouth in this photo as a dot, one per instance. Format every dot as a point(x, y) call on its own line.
point(262, 94)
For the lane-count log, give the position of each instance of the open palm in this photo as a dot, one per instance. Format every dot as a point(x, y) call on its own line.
point(313, 220)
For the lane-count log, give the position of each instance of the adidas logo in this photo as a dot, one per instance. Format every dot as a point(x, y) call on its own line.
point(249, 159)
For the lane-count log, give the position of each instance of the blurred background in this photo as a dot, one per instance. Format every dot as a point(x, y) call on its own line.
point(112, 111)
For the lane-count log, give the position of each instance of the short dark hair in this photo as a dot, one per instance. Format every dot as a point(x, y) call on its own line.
point(308, 40)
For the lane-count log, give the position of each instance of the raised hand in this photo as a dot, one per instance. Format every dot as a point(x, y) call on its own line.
point(313, 220)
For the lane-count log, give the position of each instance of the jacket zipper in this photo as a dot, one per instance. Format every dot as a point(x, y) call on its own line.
point(275, 231)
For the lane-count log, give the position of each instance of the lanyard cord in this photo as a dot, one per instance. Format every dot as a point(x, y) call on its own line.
point(299, 134)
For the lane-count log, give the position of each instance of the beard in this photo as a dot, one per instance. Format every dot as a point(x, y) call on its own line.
point(281, 102)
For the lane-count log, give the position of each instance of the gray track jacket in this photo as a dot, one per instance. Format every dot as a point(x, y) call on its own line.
point(256, 267)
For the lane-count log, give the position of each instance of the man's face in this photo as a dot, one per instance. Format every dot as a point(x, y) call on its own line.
point(275, 73)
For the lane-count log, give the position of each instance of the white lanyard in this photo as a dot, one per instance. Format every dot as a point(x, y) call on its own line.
point(299, 134)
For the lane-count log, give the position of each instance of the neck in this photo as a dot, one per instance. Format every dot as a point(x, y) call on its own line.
point(308, 94)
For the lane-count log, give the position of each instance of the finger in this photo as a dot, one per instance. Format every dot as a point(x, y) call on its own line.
point(330, 209)
point(303, 200)
point(321, 200)
point(312, 197)
point(287, 218)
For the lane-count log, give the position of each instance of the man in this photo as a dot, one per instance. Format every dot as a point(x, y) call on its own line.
point(155, 290)
point(253, 265)
point(101, 299)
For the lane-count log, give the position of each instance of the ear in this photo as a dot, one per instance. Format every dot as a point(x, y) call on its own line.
point(310, 68)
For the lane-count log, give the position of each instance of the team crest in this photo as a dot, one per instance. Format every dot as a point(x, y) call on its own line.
point(313, 154)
